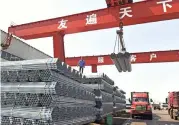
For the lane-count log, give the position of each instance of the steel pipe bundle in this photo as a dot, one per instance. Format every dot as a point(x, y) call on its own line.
point(31, 113)
point(119, 106)
point(98, 82)
point(50, 63)
point(102, 86)
point(44, 92)
point(31, 87)
point(76, 115)
point(119, 93)
point(53, 64)
point(50, 101)
point(122, 61)
point(47, 91)
point(106, 109)
point(23, 121)
point(101, 77)
point(122, 91)
point(64, 86)
point(30, 99)
point(7, 98)
point(17, 121)
point(104, 95)
point(119, 98)
point(104, 103)
point(19, 99)
point(5, 120)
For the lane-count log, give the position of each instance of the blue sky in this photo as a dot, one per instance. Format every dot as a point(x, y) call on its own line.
point(158, 79)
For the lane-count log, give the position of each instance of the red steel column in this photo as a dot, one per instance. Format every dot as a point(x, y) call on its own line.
point(58, 46)
point(94, 68)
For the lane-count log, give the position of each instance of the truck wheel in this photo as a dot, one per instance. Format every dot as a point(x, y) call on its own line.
point(150, 117)
point(171, 114)
point(169, 111)
point(132, 116)
point(175, 118)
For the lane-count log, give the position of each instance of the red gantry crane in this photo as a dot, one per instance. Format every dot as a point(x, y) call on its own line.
point(126, 11)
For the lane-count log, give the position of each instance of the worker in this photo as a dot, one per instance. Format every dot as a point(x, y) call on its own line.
point(81, 65)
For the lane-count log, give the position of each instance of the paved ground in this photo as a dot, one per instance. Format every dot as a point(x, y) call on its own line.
point(160, 118)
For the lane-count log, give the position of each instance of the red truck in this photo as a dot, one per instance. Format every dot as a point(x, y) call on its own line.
point(173, 104)
point(140, 105)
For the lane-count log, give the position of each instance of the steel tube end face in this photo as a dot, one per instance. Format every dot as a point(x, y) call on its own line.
point(116, 63)
point(120, 59)
point(128, 61)
point(55, 114)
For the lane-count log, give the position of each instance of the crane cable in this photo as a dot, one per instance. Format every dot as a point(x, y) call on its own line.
point(115, 44)
point(120, 35)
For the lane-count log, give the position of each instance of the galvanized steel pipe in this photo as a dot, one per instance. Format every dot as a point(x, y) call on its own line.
point(31, 87)
point(32, 113)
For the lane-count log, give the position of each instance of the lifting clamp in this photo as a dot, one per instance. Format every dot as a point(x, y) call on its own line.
point(120, 34)
point(7, 42)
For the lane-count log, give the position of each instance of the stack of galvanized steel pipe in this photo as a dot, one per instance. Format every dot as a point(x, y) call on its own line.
point(119, 99)
point(49, 92)
point(43, 92)
point(108, 99)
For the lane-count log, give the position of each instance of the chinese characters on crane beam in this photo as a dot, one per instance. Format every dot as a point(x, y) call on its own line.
point(125, 12)
point(165, 4)
point(62, 24)
point(133, 58)
point(100, 59)
point(91, 19)
point(153, 55)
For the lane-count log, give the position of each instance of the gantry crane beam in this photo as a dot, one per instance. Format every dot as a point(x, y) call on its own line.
point(142, 57)
point(130, 14)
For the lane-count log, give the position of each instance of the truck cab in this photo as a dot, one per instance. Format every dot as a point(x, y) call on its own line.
point(140, 105)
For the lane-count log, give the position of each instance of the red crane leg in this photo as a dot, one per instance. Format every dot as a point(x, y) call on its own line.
point(142, 57)
point(130, 14)
point(94, 68)
point(58, 46)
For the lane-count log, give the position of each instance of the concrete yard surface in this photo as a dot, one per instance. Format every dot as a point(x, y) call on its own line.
point(159, 118)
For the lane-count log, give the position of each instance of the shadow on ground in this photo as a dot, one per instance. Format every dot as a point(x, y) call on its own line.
point(167, 123)
point(119, 121)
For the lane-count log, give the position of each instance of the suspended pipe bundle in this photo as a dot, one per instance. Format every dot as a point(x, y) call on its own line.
point(122, 61)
